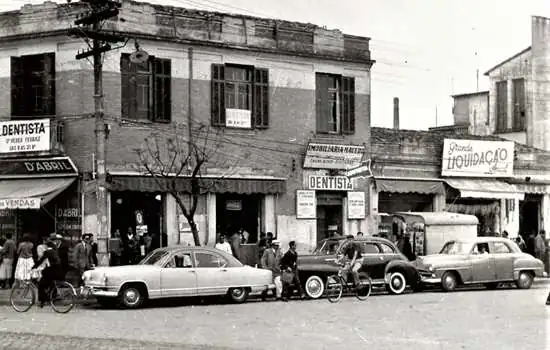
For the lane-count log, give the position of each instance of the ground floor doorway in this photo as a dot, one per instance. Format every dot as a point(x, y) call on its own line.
point(329, 214)
point(236, 212)
point(529, 215)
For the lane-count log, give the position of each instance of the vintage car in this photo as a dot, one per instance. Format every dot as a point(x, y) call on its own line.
point(480, 260)
point(177, 272)
point(382, 261)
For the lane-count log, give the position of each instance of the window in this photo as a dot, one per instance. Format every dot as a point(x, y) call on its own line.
point(240, 96)
point(502, 105)
point(500, 248)
point(180, 260)
point(209, 260)
point(335, 104)
point(518, 86)
point(370, 248)
point(146, 89)
point(481, 248)
point(33, 85)
point(386, 249)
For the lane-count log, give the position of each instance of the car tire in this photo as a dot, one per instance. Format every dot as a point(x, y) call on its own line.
point(238, 295)
point(525, 280)
point(492, 285)
point(397, 282)
point(449, 281)
point(314, 287)
point(132, 297)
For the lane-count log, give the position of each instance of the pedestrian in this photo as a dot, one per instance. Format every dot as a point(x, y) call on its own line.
point(51, 273)
point(359, 234)
point(530, 244)
point(235, 242)
point(520, 242)
point(25, 260)
point(93, 246)
point(289, 267)
point(271, 260)
point(130, 246)
point(505, 234)
point(115, 248)
point(408, 249)
point(62, 248)
point(224, 245)
point(83, 256)
point(264, 241)
point(40, 249)
point(7, 258)
point(540, 245)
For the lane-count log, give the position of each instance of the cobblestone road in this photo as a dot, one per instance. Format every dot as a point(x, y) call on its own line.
point(481, 319)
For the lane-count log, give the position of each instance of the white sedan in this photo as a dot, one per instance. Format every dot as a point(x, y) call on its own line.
point(177, 272)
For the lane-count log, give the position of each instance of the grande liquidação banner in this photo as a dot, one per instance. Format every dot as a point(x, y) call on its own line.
point(477, 158)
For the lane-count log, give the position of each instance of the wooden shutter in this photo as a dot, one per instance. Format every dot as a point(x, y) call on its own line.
point(217, 95)
point(128, 87)
point(48, 94)
point(322, 82)
point(348, 105)
point(502, 105)
point(519, 104)
point(162, 90)
point(17, 102)
point(261, 98)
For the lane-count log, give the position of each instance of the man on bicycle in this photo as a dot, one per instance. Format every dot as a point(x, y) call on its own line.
point(352, 253)
point(52, 273)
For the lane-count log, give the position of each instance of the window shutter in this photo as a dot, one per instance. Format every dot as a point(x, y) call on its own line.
point(48, 95)
point(321, 102)
point(348, 105)
point(17, 103)
point(261, 98)
point(217, 95)
point(128, 87)
point(162, 93)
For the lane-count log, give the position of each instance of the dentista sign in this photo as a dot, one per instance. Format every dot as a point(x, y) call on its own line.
point(25, 136)
point(477, 158)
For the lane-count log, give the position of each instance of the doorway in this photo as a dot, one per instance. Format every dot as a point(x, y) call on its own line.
point(239, 211)
point(529, 210)
point(329, 214)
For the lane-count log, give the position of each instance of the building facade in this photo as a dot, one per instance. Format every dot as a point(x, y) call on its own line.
point(285, 107)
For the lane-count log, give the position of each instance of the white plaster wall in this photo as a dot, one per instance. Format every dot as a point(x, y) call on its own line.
point(304, 232)
point(510, 223)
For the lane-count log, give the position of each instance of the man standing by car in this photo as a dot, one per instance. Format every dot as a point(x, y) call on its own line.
point(352, 251)
point(271, 260)
point(289, 264)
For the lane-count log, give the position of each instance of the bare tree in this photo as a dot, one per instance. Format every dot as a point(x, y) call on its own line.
point(178, 164)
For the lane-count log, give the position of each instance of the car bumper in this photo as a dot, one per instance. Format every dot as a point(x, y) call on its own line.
point(429, 278)
point(104, 292)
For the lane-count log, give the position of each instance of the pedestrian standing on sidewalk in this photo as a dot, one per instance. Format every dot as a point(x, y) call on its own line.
point(224, 245)
point(93, 252)
point(25, 259)
point(37, 271)
point(83, 256)
point(6, 261)
point(271, 260)
point(289, 264)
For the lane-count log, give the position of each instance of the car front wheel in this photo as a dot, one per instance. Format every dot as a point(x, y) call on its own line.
point(315, 287)
point(525, 280)
point(449, 281)
point(132, 297)
point(397, 283)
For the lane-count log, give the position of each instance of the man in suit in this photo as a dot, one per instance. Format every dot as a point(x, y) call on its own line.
point(83, 255)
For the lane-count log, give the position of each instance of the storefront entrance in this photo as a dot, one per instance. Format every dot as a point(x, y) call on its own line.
point(239, 211)
point(529, 214)
point(486, 210)
point(329, 214)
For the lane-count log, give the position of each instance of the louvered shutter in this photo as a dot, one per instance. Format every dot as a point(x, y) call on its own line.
point(48, 83)
point(17, 102)
point(217, 96)
point(348, 105)
point(261, 98)
point(321, 102)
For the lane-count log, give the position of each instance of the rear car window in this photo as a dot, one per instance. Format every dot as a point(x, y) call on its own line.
point(370, 248)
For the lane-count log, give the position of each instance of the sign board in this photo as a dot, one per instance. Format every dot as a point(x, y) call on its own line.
point(238, 118)
point(234, 204)
point(306, 204)
point(20, 203)
point(38, 166)
point(477, 158)
point(25, 136)
point(363, 170)
point(329, 183)
point(329, 156)
point(356, 205)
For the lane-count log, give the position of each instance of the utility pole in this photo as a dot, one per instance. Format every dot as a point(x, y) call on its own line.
point(89, 27)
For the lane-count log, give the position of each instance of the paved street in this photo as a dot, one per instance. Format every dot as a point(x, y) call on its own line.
point(479, 319)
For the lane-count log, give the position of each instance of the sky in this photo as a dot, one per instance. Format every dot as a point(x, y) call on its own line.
point(425, 50)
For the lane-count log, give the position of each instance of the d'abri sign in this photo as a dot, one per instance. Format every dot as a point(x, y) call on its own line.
point(477, 158)
point(25, 136)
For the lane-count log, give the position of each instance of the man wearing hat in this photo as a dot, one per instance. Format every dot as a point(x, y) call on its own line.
point(271, 260)
point(83, 254)
point(62, 250)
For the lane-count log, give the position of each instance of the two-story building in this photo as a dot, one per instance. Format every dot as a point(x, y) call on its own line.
point(286, 106)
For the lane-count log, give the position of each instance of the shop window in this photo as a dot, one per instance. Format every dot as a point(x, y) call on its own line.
point(146, 89)
point(209, 260)
point(335, 104)
point(502, 105)
point(240, 96)
point(33, 85)
point(240, 214)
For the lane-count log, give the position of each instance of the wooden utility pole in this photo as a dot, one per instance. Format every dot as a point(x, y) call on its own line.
point(89, 27)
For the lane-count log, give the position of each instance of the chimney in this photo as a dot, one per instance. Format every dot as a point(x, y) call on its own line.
point(396, 113)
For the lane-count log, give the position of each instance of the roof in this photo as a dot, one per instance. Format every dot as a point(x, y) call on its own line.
point(442, 218)
point(481, 239)
point(471, 94)
point(507, 60)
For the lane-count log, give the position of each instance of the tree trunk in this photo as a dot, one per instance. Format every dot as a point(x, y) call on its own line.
point(189, 217)
point(195, 232)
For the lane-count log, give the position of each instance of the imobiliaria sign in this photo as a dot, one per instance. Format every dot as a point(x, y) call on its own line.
point(477, 158)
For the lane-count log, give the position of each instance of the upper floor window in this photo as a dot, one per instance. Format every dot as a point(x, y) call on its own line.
point(502, 106)
point(33, 85)
point(146, 89)
point(240, 96)
point(518, 116)
point(335, 104)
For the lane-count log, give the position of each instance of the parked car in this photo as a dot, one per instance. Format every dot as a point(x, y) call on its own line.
point(177, 272)
point(382, 261)
point(480, 260)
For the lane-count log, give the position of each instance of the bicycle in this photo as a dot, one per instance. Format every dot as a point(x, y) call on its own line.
point(61, 294)
point(338, 282)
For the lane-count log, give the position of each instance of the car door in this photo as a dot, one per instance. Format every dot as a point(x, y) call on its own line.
point(504, 261)
point(212, 275)
point(483, 263)
point(373, 261)
point(178, 276)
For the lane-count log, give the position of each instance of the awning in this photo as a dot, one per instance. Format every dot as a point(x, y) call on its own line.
point(533, 188)
point(485, 188)
point(183, 184)
point(409, 186)
point(31, 193)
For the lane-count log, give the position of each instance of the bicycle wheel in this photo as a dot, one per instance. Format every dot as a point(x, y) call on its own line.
point(62, 297)
point(334, 288)
point(22, 297)
point(362, 292)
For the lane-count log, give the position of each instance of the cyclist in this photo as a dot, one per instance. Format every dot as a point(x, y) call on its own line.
point(352, 253)
point(52, 273)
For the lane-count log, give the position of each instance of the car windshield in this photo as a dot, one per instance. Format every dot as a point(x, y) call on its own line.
point(454, 248)
point(326, 248)
point(154, 258)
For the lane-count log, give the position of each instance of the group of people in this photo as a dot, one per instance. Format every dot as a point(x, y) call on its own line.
point(129, 248)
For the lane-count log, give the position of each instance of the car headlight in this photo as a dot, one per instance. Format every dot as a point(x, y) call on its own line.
point(104, 279)
point(431, 268)
point(86, 276)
